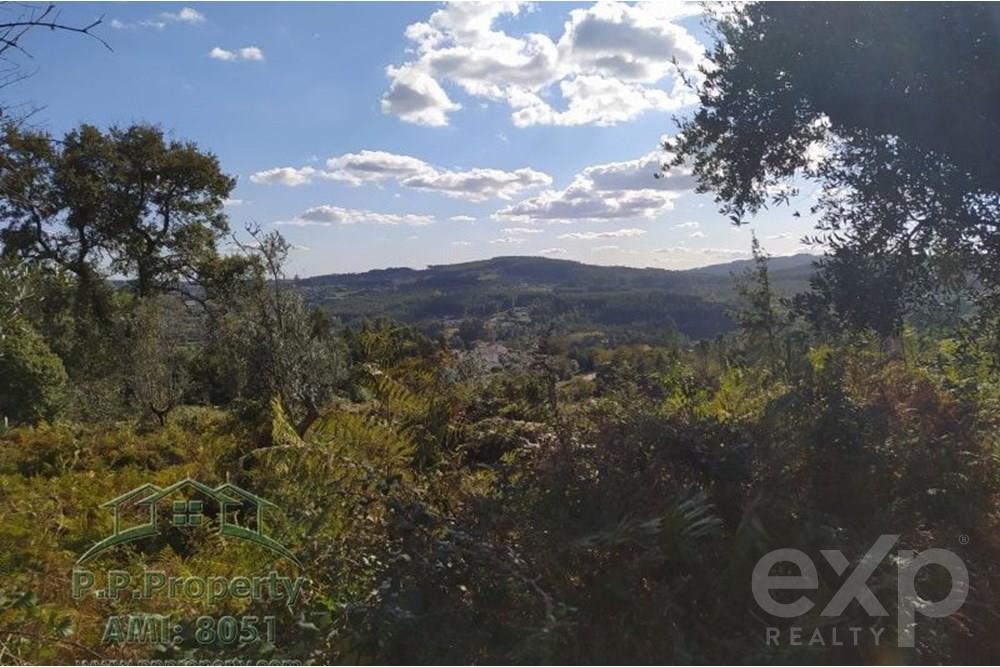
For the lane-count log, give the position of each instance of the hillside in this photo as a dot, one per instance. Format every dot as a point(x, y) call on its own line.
point(525, 293)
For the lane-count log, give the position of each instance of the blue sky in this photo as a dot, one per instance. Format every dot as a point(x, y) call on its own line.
point(408, 134)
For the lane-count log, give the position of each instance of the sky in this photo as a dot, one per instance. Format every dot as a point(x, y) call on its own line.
point(377, 135)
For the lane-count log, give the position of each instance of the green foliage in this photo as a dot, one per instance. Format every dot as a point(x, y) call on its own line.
point(32, 377)
point(150, 207)
point(540, 467)
point(265, 342)
point(462, 517)
point(827, 92)
point(513, 298)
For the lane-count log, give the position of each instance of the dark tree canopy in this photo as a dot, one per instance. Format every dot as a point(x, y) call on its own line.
point(924, 73)
point(903, 101)
point(128, 200)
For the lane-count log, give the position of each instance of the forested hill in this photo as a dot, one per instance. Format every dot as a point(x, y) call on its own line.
point(538, 291)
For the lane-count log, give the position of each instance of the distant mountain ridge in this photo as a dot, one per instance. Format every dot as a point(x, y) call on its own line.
point(563, 272)
point(525, 294)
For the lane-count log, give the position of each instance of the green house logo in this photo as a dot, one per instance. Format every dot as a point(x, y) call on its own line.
point(188, 503)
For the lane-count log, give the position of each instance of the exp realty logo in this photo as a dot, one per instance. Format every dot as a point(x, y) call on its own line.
point(855, 587)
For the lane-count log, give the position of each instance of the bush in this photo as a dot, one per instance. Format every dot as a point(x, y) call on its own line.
point(32, 377)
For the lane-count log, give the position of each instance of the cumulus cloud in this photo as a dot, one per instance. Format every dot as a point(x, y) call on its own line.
point(611, 191)
point(521, 230)
point(461, 243)
point(289, 176)
point(508, 240)
point(372, 166)
point(478, 184)
point(416, 97)
point(474, 185)
point(327, 216)
point(552, 251)
point(246, 53)
point(604, 248)
point(590, 236)
point(612, 62)
point(632, 42)
point(688, 225)
point(185, 15)
point(696, 235)
point(580, 202)
point(462, 218)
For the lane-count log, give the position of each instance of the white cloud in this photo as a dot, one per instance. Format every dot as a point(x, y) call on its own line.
point(461, 243)
point(327, 215)
point(725, 252)
point(185, 15)
point(221, 54)
point(644, 173)
point(251, 53)
point(232, 202)
point(716, 252)
point(366, 166)
point(611, 191)
point(416, 97)
point(147, 23)
point(474, 185)
point(696, 235)
point(508, 240)
point(552, 251)
point(521, 230)
point(633, 42)
point(289, 176)
point(612, 62)
point(688, 225)
point(478, 184)
point(590, 236)
point(597, 100)
point(604, 248)
point(462, 218)
point(246, 53)
point(580, 202)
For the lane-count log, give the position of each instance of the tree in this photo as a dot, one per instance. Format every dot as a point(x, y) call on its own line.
point(858, 96)
point(286, 350)
point(156, 375)
point(127, 199)
point(17, 20)
point(757, 312)
point(32, 377)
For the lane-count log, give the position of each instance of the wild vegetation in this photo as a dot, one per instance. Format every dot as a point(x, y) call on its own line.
point(496, 489)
